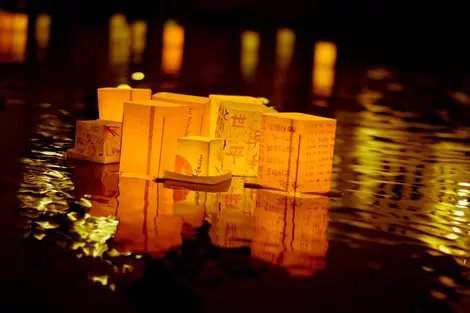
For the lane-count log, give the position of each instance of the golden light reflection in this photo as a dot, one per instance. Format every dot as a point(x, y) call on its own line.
point(146, 220)
point(250, 41)
point(324, 61)
point(291, 232)
point(119, 45)
point(173, 44)
point(139, 39)
point(13, 36)
point(138, 76)
point(285, 43)
point(43, 31)
point(123, 86)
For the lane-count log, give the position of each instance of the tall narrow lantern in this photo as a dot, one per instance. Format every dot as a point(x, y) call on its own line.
point(239, 125)
point(215, 101)
point(296, 152)
point(97, 141)
point(151, 129)
point(198, 121)
point(291, 231)
point(111, 100)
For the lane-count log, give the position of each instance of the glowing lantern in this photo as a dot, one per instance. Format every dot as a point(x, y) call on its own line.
point(110, 101)
point(97, 141)
point(291, 231)
point(198, 121)
point(239, 124)
point(99, 182)
point(151, 129)
point(324, 61)
point(146, 220)
point(296, 152)
point(199, 156)
point(215, 101)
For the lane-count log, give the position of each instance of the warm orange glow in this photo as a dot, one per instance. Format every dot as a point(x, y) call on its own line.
point(202, 155)
point(324, 68)
point(43, 30)
point(139, 39)
point(111, 101)
point(198, 121)
point(249, 53)
point(151, 129)
point(13, 36)
point(296, 152)
point(291, 232)
point(99, 182)
point(173, 43)
point(239, 125)
point(233, 224)
point(146, 221)
point(97, 141)
point(119, 40)
point(191, 205)
point(285, 41)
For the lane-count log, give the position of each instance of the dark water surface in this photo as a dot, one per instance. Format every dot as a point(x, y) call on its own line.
point(91, 241)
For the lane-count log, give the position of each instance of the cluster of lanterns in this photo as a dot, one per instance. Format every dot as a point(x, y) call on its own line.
point(207, 140)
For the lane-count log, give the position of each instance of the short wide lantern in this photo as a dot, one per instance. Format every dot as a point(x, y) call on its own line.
point(110, 101)
point(239, 124)
point(199, 156)
point(97, 141)
point(150, 132)
point(198, 120)
point(296, 152)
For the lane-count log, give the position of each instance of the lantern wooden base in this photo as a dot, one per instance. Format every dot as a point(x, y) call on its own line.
point(203, 180)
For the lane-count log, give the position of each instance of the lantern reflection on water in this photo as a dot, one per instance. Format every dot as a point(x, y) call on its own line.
point(99, 183)
point(146, 220)
point(232, 222)
point(291, 232)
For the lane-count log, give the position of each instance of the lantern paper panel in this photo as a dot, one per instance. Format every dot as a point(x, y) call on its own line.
point(149, 140)
point(99, 183)
point(146, 220)
point(199, 156)
point(239, 124)
point(198, 119)
point(291, 231)
point(111, 101)
point(97, 141)
point(216, 100)
point(296, 152)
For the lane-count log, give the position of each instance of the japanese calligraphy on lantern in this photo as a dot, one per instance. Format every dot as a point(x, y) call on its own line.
point(199, 156)
point(111, 101)
point(291, 231)
point(199, 112)
point(151, 129)
point(97, 141)
point(296, 152)
point(216, 100)
point(239, 125)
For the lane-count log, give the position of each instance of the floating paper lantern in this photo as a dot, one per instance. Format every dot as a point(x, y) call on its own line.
point(198, 121)
point(296, 152)
point(291, 231)
point(215, 101)
point(239, 124)
point(99, 183)
point(151, 129)
point(146, 220)
point(97, 141)
point(110, 101)
point(199, 156)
